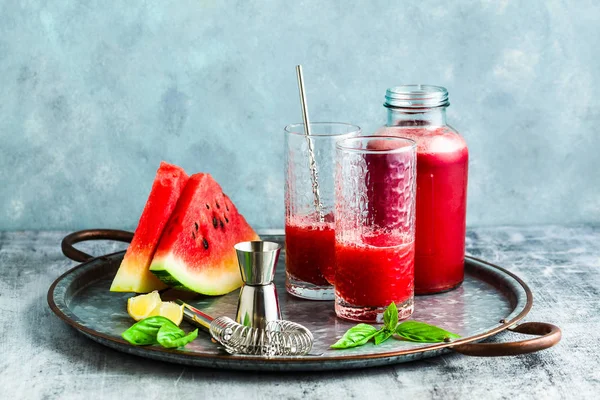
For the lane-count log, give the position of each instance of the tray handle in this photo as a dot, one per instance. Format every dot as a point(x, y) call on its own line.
point(549, 335)
point(91, 234)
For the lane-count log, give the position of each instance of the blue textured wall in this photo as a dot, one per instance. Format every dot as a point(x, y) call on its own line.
point(93, 94)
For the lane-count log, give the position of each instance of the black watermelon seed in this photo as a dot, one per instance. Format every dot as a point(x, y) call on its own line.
point(205, 243)
point(193, 235)
point(226, 207)
point(217, 204)
point(215, 222)
point(207, 206)
point(196, 225)
point(221, 223)
point(226, 219)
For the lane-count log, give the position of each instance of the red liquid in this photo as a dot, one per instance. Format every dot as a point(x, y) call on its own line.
point(310, 253)
point(442, 167)
point(372, 276)
point(387, 186)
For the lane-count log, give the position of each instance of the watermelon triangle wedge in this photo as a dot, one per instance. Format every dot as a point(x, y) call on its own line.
point(195, 251)
point(133, 274)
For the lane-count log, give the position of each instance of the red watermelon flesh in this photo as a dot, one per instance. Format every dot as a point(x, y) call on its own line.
point(133, 274)
point(196, 250)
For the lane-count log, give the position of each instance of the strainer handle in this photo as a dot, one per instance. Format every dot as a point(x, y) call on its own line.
point(549, 335)
point(91, 234)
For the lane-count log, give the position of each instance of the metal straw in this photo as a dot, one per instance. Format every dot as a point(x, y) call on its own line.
point(311, 154)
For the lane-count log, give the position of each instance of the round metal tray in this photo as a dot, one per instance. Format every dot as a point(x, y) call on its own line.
point(490, 300)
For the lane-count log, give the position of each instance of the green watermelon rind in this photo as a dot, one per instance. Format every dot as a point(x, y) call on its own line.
point(172, 271)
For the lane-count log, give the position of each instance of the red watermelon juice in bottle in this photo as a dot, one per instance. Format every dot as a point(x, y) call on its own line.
point(418, 112)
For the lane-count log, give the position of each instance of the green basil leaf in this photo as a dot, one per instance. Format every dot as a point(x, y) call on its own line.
point(171, 336)
point(355, 336)
point(382, 335)
point(416, 331)
point(390, 317)
point(169, 332)
point(145, 331)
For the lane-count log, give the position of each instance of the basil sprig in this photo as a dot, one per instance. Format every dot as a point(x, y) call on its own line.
point(413, 331)
point(158, 330)
point(144, 332)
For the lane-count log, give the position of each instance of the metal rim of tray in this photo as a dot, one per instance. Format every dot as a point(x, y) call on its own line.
point(549, 334)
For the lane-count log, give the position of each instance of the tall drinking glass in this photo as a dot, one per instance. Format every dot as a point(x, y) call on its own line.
point(375, 227)
point(309, 229)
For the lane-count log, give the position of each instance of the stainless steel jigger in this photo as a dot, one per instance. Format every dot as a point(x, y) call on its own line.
point(258, 303)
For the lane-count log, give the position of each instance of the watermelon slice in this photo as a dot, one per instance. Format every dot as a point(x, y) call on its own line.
point(133, 274)
point(196, 250)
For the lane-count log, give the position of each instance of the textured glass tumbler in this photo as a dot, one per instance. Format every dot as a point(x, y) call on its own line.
point(375, 227)
point(309, 228)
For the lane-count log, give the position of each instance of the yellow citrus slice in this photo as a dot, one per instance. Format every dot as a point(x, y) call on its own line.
point(170, 310)
point(140, 307)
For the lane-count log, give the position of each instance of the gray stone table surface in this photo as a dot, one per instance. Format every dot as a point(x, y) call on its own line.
point(43, 358)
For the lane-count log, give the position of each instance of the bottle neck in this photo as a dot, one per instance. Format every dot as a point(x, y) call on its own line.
point(405, 117)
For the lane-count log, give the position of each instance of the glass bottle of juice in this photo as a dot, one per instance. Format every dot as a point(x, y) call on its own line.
point(418, 112)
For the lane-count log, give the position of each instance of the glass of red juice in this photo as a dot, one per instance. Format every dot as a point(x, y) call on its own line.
point(310, 231)
point(375, 227)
